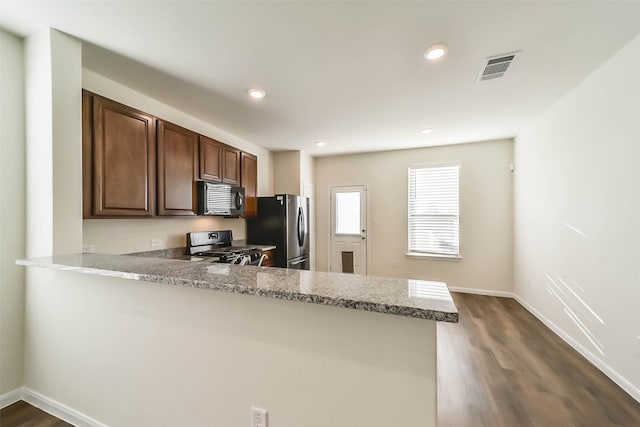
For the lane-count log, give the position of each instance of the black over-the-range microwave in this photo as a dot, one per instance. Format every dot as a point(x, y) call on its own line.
point(219, 199)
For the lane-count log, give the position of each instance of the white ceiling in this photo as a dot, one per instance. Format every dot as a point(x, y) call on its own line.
point(349, 73)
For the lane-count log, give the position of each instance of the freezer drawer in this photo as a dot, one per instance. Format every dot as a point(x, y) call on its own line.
point(300, 263)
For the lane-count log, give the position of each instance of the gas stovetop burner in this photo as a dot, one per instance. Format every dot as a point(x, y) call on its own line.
point(232, 256)
point(251, 257)
point(217, 244)
point(227, 250)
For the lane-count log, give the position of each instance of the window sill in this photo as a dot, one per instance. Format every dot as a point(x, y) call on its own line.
point(420, 255)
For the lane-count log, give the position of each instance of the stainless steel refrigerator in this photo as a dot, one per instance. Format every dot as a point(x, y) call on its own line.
point(283, 221)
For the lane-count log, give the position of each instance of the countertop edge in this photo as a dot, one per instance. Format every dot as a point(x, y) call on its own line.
point(413, 312)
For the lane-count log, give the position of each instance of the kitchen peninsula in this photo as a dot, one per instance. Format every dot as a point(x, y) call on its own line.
point(363, 353)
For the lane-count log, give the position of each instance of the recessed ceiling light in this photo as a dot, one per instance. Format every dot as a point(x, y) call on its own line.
point(427, 130)
point(436, 51)
point(320, 143)
point(256, 93)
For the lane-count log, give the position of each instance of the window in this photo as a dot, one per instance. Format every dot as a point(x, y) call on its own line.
point(348, 213)
point(434, 219)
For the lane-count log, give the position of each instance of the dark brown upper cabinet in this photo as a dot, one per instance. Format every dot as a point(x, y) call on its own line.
point(249, 170)
point(123, 148)
point(230, 165)
point(210, 159)
point(177, 153)
point(219, 162)
point(119, 159)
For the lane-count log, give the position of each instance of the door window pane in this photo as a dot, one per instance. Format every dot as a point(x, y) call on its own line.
point(348, 213)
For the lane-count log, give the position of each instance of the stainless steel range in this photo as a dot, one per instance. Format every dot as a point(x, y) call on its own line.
point(218, 245)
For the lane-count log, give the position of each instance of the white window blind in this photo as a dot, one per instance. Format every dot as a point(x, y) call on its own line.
point(434, 219)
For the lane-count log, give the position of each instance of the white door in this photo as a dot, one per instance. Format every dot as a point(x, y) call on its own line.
point(348, 230)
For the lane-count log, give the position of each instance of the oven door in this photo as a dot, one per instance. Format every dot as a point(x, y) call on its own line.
point(300, 263)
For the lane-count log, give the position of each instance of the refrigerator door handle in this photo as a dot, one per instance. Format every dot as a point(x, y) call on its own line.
point(300, 227)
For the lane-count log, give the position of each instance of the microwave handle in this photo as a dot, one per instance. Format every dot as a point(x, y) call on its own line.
point(239, 200)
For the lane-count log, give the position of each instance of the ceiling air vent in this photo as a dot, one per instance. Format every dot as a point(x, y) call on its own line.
point(497, 66)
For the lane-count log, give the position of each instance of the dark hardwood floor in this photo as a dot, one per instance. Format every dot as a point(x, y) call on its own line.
point(498, 367)
point(21, 414)
point(501, 367)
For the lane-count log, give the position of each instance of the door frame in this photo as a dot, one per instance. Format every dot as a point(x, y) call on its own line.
point(367, 221)
point(309, 190)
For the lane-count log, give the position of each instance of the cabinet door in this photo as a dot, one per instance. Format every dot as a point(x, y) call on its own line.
point(249, 169)
point(177, 169)
point(230, 165)
point(87, 154)
point(210, 159)
point(123, 160)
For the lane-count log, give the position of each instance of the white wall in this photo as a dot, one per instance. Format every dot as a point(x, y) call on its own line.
point(66, 137)
point(39, 154)
point(12, 213)
point(306, 171)
point(485, 212)
point(577, 213)
point(121, 236)
point(286, 172)
point(54, 144)
point(135, 354)
point(292, 171)
point(131, 235)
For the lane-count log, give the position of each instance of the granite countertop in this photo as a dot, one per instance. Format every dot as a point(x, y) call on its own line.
point(405, 297)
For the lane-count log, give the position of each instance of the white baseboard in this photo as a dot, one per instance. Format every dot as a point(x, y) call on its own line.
point(10, 398)
point(487, 292)
point(632, 390)
point(58, 409)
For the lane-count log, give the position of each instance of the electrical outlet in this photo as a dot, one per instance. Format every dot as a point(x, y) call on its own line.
point(638, 346)
point(155, 242)
point(394, 263)
point(258, 417)
point(88, 248)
